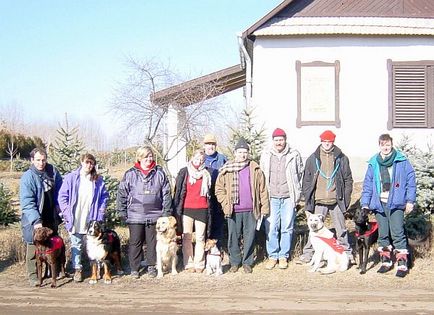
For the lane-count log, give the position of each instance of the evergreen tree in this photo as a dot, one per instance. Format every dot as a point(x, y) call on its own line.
point(8, 215)
point(67, 148)
point(246, 129)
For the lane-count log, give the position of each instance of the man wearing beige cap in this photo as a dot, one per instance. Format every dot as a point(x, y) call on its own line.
point(214, 160)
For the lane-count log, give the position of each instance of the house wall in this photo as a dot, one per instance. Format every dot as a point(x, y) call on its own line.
point(364, 89)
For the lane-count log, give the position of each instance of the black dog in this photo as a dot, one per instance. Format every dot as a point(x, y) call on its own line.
point(367, 234)
point(103, 247)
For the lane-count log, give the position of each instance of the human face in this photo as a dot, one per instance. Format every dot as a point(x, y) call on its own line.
point(327, 145)
point(279, 143)
point(198, 159)
point(385, 147)
point(87, 165)
point(241, 155)
point(39, 161)
point(209, 148)
point(146, 162)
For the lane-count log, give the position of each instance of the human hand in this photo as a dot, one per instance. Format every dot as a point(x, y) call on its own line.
point(409, 208)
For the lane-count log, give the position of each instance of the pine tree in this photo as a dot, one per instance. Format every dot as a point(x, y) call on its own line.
point(67, 148)
point(246, 129)
point(8, 215)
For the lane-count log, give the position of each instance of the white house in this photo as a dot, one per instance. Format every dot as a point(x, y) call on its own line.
point(358, 67)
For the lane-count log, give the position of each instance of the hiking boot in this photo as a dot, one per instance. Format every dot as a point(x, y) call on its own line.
point(386, 261)
point(247, 269)
point(135, 275)
point(402, 264)
point(78, 275)
point(303, 259)
point(270, 264)
point(283, 263)
point(152, 271)
point(233, 269)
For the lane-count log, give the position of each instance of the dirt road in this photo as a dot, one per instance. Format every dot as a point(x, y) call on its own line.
point(263, 292)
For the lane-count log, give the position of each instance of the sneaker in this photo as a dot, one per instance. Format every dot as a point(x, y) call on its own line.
point(247, 269)
point(78, 275)
point(401, 273)
point(233, 269)
point(283, 263)
point(270, 264)
point(303, 259)
point(152, 271)
point(135, 275)
point(385, 268)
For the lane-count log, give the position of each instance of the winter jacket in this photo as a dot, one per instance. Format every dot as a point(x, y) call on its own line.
point(260, 199)
point(32, 199)
point(402, 188)
point(180, 193)
point(343, 179)
point(293, 171)
point(143, 199)
point(68, 196)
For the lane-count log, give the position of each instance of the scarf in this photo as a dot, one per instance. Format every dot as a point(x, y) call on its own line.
point(384, 165)
point(46, 176)
point(234, 167)
point(330, 178)
point(197, 173)
point(145, 171)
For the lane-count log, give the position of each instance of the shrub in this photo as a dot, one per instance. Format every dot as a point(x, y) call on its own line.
point(8, 215)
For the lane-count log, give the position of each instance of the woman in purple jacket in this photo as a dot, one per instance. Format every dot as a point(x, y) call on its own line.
point(82, 198)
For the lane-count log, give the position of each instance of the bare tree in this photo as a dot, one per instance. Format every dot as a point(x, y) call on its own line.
point(12, 150)
point(143, 107)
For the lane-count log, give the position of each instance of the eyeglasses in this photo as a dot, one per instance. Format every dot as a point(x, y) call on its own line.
point(89, 162)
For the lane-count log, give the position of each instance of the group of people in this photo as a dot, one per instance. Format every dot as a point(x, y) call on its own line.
point(211, 189)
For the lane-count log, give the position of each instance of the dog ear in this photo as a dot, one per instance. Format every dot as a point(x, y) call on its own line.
point(48, 232)
point(172, 221)
point(322, 217)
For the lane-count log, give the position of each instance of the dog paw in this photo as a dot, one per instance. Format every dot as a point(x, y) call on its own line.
point(312, 270)
point(174, 272)
point(107, 281)
point(93, 281)
point(159, 276)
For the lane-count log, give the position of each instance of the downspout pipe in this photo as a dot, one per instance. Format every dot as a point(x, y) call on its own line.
point(246, 61)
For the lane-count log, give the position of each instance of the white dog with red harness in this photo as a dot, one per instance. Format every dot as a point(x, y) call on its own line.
point(325, 246)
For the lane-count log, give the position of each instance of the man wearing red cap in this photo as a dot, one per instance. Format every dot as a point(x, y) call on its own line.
point(283, 169)
point(327, 187)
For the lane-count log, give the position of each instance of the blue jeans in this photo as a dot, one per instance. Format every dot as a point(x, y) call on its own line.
point(76, 250)
point(280, 223)
point(242, 223)
point(391, 221)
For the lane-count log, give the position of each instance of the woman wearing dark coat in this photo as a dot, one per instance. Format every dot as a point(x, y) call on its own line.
point(192, 205)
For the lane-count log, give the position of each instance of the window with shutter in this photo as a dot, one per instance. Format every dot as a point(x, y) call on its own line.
point(411, 94)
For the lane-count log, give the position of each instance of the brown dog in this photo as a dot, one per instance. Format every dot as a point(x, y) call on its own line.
point(51, 251)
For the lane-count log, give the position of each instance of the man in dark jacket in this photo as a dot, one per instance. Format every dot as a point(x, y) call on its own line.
point(327, 188)
point(39, 188)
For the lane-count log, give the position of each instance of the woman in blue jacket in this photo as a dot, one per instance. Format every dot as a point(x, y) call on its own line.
point(389, 190)
point(82, 198)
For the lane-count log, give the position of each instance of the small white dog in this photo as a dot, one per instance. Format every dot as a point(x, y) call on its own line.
point(166, 245)
point(213, 258)
point(325, 247)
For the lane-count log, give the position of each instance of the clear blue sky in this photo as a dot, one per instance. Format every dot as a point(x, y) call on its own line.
point(67, 56)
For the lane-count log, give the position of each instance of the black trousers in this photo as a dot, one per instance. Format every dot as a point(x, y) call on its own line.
point(138, 234)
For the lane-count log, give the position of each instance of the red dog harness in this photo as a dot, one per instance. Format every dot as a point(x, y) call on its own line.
point(373, 226)
point(333, 243)
point(55, 242)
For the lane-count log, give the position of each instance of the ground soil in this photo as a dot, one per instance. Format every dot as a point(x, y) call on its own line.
point(294, 290)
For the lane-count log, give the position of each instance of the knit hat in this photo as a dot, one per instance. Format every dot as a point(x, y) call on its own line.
point(242, 144)
point(210, 138)
point(278, 133)
point(328, 135)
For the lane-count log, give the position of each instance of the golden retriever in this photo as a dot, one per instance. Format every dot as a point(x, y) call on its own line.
point(166, 245)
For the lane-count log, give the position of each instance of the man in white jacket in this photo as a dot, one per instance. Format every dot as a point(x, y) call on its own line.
point(283, 169)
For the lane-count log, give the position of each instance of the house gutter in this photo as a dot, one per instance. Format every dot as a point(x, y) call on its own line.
point(246, 62)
